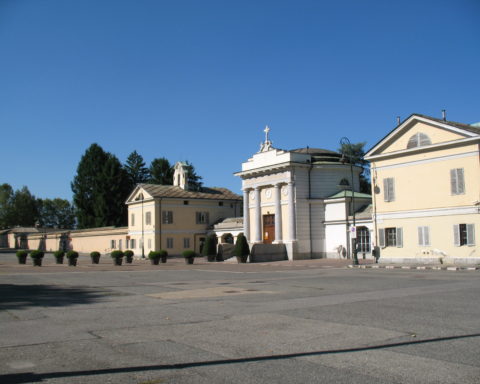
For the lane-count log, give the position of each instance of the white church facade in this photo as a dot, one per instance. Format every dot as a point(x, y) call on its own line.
point(297, 197)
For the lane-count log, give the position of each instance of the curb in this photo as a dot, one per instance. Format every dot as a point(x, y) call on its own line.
point(419, 267)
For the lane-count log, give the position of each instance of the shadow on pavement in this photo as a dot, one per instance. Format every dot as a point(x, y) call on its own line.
point(24, 296)
point(29, 377)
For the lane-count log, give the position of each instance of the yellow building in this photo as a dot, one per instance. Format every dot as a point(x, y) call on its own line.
point(426, 191)
point(175, 218)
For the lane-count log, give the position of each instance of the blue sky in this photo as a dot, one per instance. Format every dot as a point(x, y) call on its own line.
point(199, 80)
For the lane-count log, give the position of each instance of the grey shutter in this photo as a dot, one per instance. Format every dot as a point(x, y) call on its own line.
point(399, 237)
point(453, 181)
point(170, 217)
point(391, 191)
point(426, 235)
point(460, 181)
point(381, 235)
point(385, 190)
point(456, 235)
point(420, 236)
point(207, 219)
point(470, 234)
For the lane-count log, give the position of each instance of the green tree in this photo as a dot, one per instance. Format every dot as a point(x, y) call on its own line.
point(100, 189)
point(161, 172)
point(194, 180)
point(241, 250)
point(136, 170)
point(356, 154)
point(24, 208)
point(85, 185)
point(6, 206)
point(56, 213)
point(113, 189)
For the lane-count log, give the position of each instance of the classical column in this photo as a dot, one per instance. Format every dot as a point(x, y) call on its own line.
point(258, 216)
point(291, 211)
point(246, 214)
point(278, 214)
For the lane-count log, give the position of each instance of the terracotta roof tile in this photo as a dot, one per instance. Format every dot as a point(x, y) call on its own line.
point(171, 191)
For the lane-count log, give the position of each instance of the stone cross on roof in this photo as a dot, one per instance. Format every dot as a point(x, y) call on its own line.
point(267, 145)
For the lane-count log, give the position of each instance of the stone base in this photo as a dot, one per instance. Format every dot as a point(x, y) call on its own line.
point(268, 252)
point(431, 260)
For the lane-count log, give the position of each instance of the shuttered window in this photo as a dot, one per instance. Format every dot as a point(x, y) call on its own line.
point(169, 242)
point(167, 217)
point(457, 181)
point(389, 189)
point(148, 218)
point(418, 140)
point(202, 218)
point(424, 236)
point(463, 234)
point(390, 237)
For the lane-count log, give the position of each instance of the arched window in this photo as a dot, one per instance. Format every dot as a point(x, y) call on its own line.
point(418, 140)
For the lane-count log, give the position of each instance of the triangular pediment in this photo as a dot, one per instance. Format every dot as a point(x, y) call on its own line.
point(420, 131)
point(136, 195)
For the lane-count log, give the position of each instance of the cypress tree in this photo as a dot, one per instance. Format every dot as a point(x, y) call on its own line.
point(241, 250)
point(210, 249)
point(194, 180)
point(6, 206)
point(136, 170)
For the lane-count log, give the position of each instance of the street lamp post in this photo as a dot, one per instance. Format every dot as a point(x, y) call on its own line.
point(343, 143)
point(140, 197)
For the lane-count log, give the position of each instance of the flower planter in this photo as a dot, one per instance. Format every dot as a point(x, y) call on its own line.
point(95, 259)
point(72, 261)
point(155, 261)
point(59, 260)
point(37, 262)
point(164, 259)
point(211, 258)
point(117, 260)
point(22, 259)
point(128, 259)
point(242, 259)
point(189, 260)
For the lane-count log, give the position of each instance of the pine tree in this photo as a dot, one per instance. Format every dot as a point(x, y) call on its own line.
point(161, 172)
point(56, 213)
point(136, 170)
point(6, 206)
point(355, 154)
point(24, 208)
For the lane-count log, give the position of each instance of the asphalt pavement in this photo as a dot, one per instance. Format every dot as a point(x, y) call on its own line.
point(292, 322)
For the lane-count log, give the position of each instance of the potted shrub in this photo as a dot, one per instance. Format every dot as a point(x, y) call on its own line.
point(210, 249)
point(95, 256)
point(154, 257)
point(22, 256)
point(72, 257)
point(189, 256)
point(242, 250)
point(37, 257)
point(117, 257)
point(59, 255)
point(128, 256)
point(163, 255)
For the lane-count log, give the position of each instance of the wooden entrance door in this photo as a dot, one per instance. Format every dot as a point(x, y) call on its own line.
point(268, 229)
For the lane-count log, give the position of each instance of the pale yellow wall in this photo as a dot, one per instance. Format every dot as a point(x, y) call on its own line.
point(427, 185)
point(436, 135)
point(441, 237)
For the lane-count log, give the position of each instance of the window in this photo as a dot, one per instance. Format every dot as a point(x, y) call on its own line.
point(132, 243)
point(418, 140)
point(167, 217)
point(464, 234)
point(149, 243)
point(113, 244)
point(186, 242)
point(120, 244)
point(457, 181)
point(220, 203)
point(389, 189)
point(185, 202)
point(424, 236)
point(390, 237)
point(170, 242)
point(363, 239)
point(132, 219)
point(202, 217)
point(148, 218)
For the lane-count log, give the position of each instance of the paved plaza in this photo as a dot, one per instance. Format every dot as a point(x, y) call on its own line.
point(315, 321)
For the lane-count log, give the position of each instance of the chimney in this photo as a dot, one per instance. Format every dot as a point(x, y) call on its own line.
point(398, 120)
point(444, 115)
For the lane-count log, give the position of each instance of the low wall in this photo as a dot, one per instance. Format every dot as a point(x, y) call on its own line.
point(268, 252)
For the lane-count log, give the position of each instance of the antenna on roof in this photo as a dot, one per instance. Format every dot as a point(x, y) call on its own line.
point(398, 120)
point(444, 115)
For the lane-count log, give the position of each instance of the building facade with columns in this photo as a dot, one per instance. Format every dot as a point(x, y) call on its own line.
point(284, 198)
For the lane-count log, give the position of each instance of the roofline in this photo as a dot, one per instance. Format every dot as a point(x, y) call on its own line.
point(408, 120)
